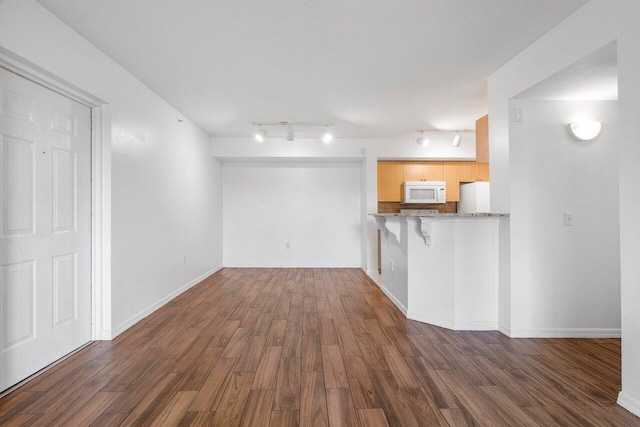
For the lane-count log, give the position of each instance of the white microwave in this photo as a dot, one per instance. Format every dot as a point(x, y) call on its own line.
point(425, 192)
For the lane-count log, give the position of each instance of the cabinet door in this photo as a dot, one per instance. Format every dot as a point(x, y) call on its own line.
point(482, 171)
point(433, 171)
point(468, 171)
point(423, 171)
point(390, 179)
point(452, 178)
point(413, 171)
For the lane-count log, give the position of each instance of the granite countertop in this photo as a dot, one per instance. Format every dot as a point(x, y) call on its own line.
point(439, 215)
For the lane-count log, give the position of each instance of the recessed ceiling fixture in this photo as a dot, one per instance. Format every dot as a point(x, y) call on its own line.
point(290, 133)
point(584, 131)
point(457, 139)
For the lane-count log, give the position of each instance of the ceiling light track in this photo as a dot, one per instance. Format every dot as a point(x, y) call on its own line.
point(261, 132)
point(457, 139)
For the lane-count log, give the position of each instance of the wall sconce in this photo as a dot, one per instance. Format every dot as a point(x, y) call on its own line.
point(584, 131)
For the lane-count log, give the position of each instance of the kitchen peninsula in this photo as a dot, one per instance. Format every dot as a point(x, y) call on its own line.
point(444, 269)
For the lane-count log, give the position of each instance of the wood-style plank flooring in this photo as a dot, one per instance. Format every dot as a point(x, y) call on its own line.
point(317, 347)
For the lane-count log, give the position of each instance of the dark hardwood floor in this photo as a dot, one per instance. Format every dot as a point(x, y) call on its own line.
point(287, 347)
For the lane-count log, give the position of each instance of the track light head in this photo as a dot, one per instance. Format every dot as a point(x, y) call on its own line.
point(326, 136)
point(422, 140)
point(457, 139)
point(261, 134)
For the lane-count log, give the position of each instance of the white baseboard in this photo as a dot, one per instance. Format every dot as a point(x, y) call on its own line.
point(450, 324)
point(432, 320)
point(394, 300)
point(566, 333)
point(504, 330)
point(153, 307)
point(629, 403)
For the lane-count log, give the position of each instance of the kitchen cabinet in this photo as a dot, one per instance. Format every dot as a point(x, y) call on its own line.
point(390, 179)
point(423, 171)
point(391, 175)
point(482, 139)
point(473, 171)
point(452, 178)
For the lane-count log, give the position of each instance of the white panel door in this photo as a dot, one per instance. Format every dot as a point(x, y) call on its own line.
point(45, 227)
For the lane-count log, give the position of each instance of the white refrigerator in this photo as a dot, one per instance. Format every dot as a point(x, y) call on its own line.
point(474, 198)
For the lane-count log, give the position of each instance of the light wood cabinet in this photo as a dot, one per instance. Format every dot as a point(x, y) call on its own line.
point(468, 171)
point(390, 179)
point(483, 172)
point(391, 175)
point(482, 139)
point(452, 178)
point(423, 171)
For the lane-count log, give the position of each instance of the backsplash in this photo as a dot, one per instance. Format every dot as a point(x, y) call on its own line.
point(394, 207)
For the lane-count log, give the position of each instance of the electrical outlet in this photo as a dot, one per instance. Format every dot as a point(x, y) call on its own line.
point(568, 219)
point(391, 265)
point(184, 259)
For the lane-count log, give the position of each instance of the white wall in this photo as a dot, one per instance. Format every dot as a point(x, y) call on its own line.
point(166, 189)
point(312, 207)
point(593, 26)
point(366, 150)
point(566, 279)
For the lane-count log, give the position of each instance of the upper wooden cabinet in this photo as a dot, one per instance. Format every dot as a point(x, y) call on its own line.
point(423, 171)
point(473, 171)
point(391, 175)
point(390, 179)
point(482, 139)
point(452, 178)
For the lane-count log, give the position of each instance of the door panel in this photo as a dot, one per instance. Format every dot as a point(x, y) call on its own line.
point(45, 216)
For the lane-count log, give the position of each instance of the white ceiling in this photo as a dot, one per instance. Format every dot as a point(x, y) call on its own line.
point(594, 77)
point(375, 68)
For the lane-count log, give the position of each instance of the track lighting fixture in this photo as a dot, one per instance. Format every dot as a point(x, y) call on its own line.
point(422, 140)
point(290, 136)
point(326, 135)
point(261, 134)
point(457, 139)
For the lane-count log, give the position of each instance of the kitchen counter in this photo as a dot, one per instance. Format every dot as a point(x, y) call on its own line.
point(444, 269)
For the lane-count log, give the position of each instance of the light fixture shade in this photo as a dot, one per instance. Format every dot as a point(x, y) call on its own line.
point(457, 139)
point(290, 136)
point(261, 134)
point(584, 131)
point(422, 141)
point(326, 136)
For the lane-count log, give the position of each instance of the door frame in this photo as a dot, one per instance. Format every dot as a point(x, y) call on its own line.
point(100, 184)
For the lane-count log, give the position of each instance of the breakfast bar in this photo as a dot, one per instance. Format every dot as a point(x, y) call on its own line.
point(444, 269)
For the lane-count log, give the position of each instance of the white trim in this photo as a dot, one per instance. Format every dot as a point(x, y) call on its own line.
point(629, 403)
point(394, 300)
point(504, 329)
point(155, 306)
point(431, 320)
point(567, 333)
point(100, 184)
